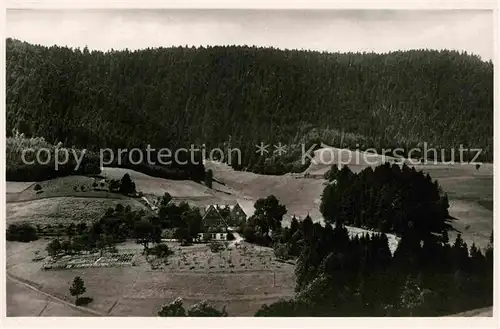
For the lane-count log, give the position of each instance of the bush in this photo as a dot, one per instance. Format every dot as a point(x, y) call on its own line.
point(182, 234)
point(280, 251)
point(284, 308)
point(53, 247)
point(21, 232)
point(161, 250)
point(249, 234)
point(203, 309)
point(114, 185)
point(216, 246)
point(174, 308)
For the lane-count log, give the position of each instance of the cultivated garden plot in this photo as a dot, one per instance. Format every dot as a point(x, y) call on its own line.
point(232, 259)
point(88, 261)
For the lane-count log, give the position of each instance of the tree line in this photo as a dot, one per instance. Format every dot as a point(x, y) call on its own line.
point(236, 97)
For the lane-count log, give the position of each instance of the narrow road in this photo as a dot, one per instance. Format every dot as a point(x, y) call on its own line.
point(54, 298)
point(237, 239)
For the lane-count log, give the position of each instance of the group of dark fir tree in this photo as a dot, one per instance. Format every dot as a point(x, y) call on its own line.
point(342, 275)
point(388, 198)
point(237, 97)
point(339, 275)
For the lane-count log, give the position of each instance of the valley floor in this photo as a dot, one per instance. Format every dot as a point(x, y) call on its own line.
point(242, 279)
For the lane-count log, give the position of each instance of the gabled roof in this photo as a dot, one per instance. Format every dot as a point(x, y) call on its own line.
point(237, 206)
point(210, 208)
point(247, 206)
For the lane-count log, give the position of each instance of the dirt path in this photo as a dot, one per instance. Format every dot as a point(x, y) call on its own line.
point(237, 239)
point(53, 298)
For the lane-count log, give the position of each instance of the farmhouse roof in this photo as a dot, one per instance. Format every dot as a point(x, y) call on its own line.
point(247, 206)
point(213, 208)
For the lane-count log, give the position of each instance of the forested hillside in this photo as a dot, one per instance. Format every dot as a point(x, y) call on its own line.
point(23, 166)
point(240, 96)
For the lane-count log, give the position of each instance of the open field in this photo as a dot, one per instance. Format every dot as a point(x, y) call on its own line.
point(180, 190)
point(63, 209)
point(140, 290)
point(69, 186)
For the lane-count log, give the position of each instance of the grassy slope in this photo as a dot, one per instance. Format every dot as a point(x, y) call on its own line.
point(60, 202)
point(300, 196)
point(62, 209)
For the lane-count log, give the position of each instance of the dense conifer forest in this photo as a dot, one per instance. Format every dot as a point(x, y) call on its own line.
point(338, 275)
point(237, 97)
point(22, 163)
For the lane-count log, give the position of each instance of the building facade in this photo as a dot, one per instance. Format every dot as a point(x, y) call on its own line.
point(218, 218)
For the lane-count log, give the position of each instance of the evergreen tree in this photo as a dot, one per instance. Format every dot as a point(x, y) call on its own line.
point(127, 186)
point(78, 287)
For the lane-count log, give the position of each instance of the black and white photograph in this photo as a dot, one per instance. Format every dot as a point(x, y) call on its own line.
point(249, 162)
